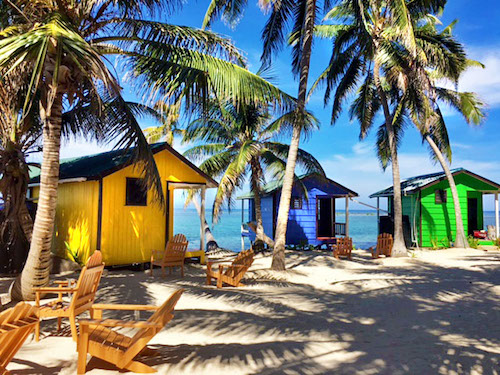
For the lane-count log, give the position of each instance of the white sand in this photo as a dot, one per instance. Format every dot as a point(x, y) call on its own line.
point(435, 313)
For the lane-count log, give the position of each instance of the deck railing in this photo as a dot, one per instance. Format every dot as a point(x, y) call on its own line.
point(340, 229)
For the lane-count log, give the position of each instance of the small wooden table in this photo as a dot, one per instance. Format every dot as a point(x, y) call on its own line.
point(196, 254)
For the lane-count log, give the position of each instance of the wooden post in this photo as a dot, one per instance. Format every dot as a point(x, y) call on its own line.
point(202, 219)
point(378, 215)
point(334, 218)
point(242, 222)
point(347, 216)
point(497, 216)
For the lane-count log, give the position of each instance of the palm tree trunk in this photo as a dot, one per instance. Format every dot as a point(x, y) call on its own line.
point(15, 234)
point(211, 243)
point(37, 268)
point(278, 262)
point(256, 177)
point(460, 238)
point(399, 247)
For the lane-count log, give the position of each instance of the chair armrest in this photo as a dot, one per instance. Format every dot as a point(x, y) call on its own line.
point(219, 261)
point(55, 289)
point(118, 323)
point(65, 282)
point(232, 266)
point(102, 306)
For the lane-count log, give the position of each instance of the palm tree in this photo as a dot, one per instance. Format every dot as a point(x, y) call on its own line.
point(168, 116)
point(66, 44)
point(417, 98)
point(17, 139)
point(366, 35)
point(445, 61)
point(241, 140)
point(302, 15)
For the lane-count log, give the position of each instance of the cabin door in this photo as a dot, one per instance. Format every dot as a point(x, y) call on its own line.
point(472, 215)
point(325, 217)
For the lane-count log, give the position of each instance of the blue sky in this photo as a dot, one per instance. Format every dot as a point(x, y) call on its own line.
point(346, 159)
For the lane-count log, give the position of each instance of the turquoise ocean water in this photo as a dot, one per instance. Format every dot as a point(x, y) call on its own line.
point(363, 227)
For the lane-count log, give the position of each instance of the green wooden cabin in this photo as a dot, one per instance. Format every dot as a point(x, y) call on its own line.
point(428, 210)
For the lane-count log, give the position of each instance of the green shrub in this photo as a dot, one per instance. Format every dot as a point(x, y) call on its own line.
point(75, 254)
point(437, 244)
point(473, 242)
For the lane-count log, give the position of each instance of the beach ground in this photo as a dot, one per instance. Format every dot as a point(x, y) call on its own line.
point(437, 312)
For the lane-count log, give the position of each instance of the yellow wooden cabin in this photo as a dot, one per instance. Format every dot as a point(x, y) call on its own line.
point(101, 204)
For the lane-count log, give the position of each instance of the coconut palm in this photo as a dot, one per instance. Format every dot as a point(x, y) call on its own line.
point(365, 36)
point(17, 139)
point(416, 98)
point(168, 116)
point(67, 44)
point(241, 140)
point(445, 60)
point(301, 16)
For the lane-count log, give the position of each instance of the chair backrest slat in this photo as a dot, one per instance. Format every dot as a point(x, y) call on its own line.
point(384, 244)
point(244, 260)
point(88, 283)
point(16, 324)
point(161, 317)
point(176, 247)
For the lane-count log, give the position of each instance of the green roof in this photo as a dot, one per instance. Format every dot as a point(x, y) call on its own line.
point(414, 184)
point(94, 167)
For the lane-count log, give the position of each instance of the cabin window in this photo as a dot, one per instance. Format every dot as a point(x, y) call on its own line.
point(296, 203)
point(135, 193)
point(441, 196)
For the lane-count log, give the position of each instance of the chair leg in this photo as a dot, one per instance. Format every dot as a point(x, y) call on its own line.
point(82, 347)
point(72, 323)
point(139, 367)
point(219, 282)
point(37, 331)
point(59, 321)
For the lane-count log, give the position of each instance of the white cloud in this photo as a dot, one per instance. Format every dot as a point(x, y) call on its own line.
point(486, 82)
point(462, 146)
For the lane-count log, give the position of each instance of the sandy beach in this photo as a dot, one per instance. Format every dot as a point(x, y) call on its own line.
point(437, 312)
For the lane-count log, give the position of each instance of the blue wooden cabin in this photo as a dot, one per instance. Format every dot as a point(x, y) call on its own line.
point(312, 220)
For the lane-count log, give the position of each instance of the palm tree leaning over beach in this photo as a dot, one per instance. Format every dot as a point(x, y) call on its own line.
point(241, 140)
point(445, 61)
point(169, 118)
point(407, 88)
point(365, 36)
point(302, 14)
point(67, 43)
point(441, 60)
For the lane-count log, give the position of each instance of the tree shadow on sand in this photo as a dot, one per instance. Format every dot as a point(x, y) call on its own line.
point(408, 320)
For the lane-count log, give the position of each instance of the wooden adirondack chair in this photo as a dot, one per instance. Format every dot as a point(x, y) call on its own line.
point(172, 256)
point(98, 339)
point(230, 274)
point(384, 246)
point(16, 324)
point(343, 248)
point(82, 295)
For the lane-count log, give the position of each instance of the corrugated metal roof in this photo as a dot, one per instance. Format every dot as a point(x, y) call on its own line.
point(414, 184)
point(276, 185)
point(100, 165)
